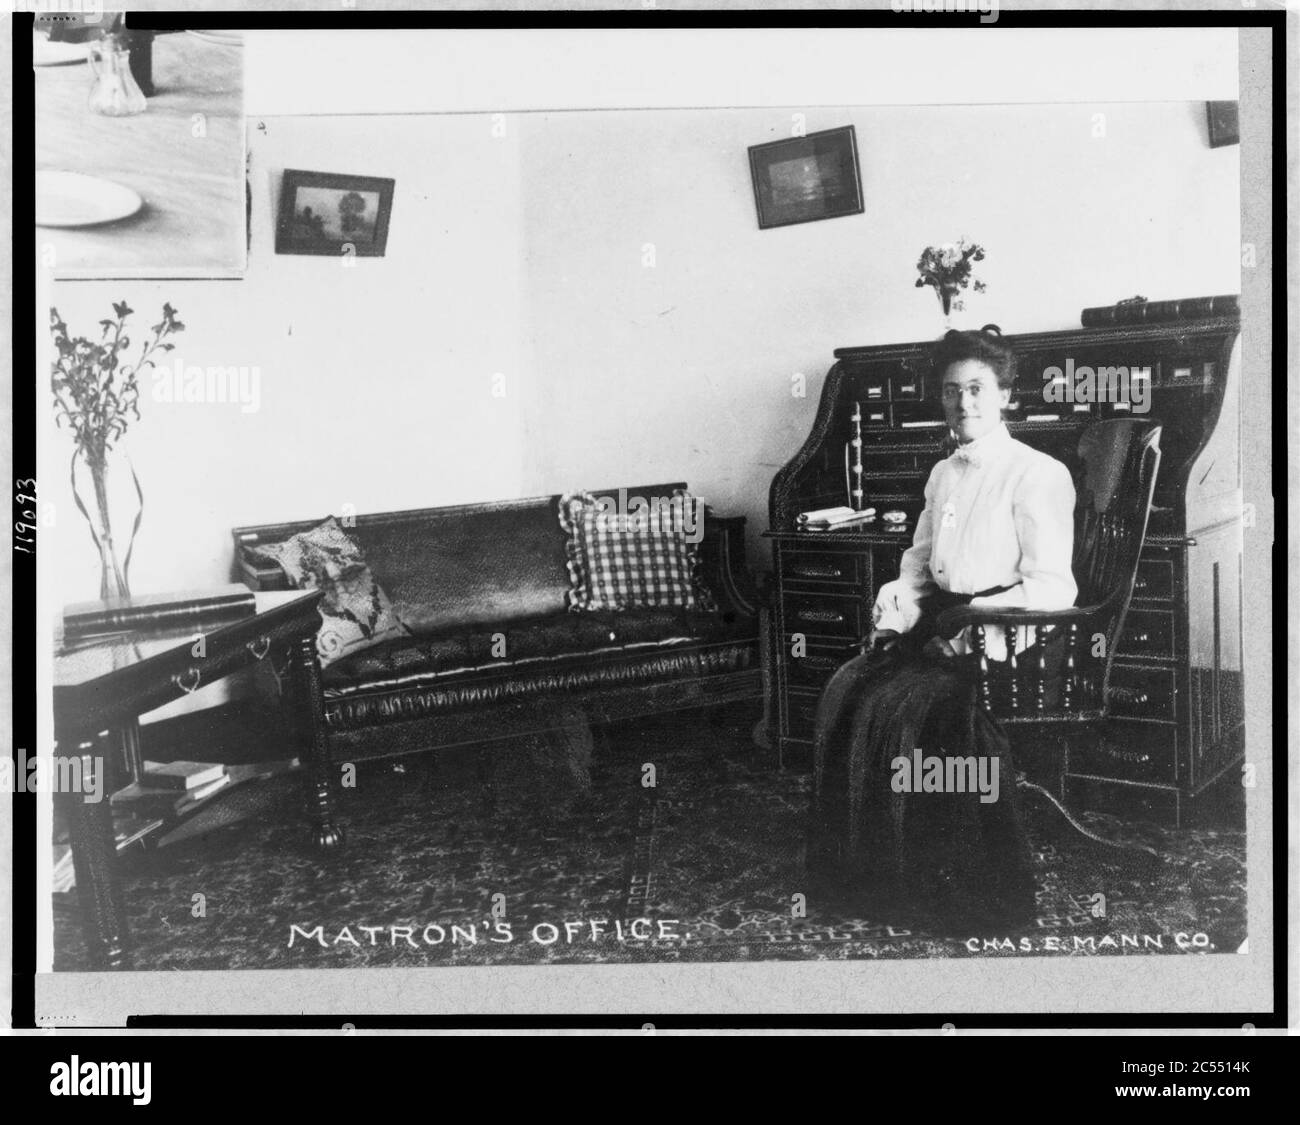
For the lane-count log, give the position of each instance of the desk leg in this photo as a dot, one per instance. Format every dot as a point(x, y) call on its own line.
point(132, 758)
point(765, 729)
point(94, 859)
point(309, 704)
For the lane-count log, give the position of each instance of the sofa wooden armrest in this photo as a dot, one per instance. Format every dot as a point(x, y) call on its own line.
point(722, 563)
point(255, 573)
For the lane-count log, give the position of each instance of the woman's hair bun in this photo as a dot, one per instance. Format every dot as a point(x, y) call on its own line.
point(986, 345)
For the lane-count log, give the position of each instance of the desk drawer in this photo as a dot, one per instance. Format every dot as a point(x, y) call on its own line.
point(799, 719)
point(825, 615)
point(812, 670)
point(818, 568)
point(1155, 579)
point(1130, 752)
point(907, 384)
point(1147, 633)
point(872, 386)
point(1142, 693)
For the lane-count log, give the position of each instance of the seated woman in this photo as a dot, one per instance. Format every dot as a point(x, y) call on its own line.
point(997, 529)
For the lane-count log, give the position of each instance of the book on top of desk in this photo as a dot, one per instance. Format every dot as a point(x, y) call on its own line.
point(218, 605)
point(826, 519)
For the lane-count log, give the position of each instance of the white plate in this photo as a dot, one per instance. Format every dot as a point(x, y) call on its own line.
point(46, 53)
point(222, 38)
point(69, 199)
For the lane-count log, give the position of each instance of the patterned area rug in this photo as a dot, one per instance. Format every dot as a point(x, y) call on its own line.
point(488, 858)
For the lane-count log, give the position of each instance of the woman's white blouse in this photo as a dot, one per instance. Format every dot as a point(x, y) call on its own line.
point(997, 512)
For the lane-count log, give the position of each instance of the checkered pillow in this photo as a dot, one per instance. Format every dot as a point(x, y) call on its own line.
point(637, 560)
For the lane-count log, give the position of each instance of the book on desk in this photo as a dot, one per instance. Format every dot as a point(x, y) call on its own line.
point(217, 606)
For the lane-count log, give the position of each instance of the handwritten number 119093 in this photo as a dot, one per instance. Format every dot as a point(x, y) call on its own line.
point(25, 516)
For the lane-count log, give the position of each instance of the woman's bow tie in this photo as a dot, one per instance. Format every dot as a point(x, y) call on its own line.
point(968, 456)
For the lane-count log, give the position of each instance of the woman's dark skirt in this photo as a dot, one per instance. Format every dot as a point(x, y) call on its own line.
point(940, 858)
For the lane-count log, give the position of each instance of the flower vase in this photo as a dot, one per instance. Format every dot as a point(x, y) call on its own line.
point(945, 301)
point(101, 505)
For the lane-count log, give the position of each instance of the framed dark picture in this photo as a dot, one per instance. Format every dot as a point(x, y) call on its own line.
point(807, 178)
point(327, 213)
point(1222, 119)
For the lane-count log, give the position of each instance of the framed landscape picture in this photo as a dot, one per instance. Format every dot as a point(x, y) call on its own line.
point(327, 213)
point(807, 178)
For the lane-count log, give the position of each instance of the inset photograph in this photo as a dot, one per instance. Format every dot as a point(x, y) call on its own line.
point(140, 160)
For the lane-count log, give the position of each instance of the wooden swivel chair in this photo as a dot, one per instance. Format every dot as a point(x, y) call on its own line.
point(1115, 479)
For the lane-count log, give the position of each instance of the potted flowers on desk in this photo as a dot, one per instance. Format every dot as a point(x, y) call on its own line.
point(948, 269)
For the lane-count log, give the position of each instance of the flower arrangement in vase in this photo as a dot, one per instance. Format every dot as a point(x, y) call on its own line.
point(96, 394)
point(948, 269)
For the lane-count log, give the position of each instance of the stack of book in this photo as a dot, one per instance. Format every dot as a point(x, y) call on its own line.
point(171, 788)
point(831, 519)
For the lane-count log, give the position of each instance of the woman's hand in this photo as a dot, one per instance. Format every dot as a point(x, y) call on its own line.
point(937, 646)
point(882, 640)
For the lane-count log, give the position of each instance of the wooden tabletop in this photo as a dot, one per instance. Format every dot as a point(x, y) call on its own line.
point(876, 535)
point(82, 661)
point(193, 220)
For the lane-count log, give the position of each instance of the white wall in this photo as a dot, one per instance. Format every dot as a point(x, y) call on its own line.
point(452, 70)
point(376, 380)
point(684, 370)
point(524, 255)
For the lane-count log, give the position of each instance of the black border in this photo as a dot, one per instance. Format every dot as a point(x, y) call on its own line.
point(22, 602)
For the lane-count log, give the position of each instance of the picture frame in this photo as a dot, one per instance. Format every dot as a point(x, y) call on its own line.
point(333, 214)
point(804, 179)
point(1222, 123)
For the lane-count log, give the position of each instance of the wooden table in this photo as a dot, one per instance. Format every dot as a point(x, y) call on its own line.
point(193, 220)
point(103, 686)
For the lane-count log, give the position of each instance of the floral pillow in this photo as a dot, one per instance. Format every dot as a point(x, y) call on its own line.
point(355, 611)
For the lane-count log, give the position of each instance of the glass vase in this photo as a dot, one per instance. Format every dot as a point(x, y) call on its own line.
point(105, 503)
point(945, 302)
point(114, 91)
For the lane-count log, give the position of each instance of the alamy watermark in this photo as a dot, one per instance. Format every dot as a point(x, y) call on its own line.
point(181, 383)
point(666, 513)
point(101, 1079)
point(987, 9)
point(1126, 387)
point(935, 773)
point(57, 774)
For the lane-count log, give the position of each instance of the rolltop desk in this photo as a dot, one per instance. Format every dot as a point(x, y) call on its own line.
point(1177, 691)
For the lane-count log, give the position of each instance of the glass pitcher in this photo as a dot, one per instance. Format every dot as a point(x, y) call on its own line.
point(115, 92)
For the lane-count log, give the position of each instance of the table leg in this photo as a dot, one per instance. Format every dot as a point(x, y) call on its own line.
point(94, 858)
point(131, 755)
point(309, 704)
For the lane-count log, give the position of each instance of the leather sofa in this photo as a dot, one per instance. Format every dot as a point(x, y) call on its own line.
point(492, 578)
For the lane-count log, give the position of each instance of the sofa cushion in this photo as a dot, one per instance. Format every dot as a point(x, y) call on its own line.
point(355, 611)
point(450, 568)
point(561, 637)
point(620, 560)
